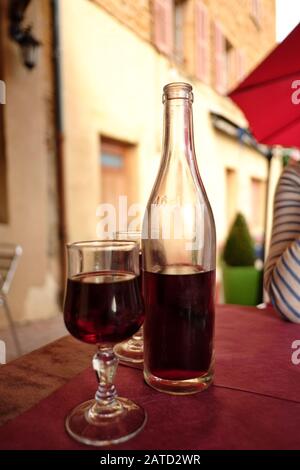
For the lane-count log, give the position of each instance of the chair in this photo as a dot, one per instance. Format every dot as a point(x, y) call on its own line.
point(9, 258)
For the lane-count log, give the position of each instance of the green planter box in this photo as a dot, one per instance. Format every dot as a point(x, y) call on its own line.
point(242, 285)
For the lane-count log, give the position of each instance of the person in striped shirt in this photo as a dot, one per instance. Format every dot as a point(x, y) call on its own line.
point(282, 270)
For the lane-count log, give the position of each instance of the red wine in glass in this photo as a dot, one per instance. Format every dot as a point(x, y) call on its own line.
point(179, 326)
point(103, 307)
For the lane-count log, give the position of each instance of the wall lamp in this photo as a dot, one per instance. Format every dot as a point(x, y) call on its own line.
point(29, 45)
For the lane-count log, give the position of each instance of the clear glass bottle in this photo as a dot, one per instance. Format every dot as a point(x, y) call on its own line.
point(179, 260)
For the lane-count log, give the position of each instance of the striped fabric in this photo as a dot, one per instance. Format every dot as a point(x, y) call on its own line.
point(282, 270)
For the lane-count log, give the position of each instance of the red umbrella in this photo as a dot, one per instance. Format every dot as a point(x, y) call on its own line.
point(270, 95)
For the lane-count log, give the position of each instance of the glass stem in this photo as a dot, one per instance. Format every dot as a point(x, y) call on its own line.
point(105, 365)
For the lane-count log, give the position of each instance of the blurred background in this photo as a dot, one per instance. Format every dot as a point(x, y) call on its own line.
point(82, 124)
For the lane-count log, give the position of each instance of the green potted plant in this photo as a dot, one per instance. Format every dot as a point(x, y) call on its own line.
point(242, 281)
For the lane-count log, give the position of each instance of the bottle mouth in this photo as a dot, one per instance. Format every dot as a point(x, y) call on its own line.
point(178, 90)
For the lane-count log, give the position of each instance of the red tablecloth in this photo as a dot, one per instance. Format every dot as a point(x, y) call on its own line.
point(254, 350)
point(254, 404)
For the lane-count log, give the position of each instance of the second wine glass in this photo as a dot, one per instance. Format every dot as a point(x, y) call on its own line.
point(131, 352)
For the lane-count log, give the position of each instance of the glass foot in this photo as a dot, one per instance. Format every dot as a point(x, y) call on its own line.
point(130, 353)
point(89, 424)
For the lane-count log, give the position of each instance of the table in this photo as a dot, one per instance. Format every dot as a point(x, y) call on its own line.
point(253, 404)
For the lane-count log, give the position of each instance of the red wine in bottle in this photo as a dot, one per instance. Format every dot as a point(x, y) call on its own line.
point(180, 323)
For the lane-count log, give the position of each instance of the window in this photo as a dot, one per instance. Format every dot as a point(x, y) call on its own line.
point(163, 25)
point(234, 65)
point(231, 195)
point(178, 28)
point(202, 42)
point(169, 27)
point(220, 59)
point(258, 202)
point(225, 62)
point(118, 172)
point(255, 11)
point(230, 65)
point(229, 62)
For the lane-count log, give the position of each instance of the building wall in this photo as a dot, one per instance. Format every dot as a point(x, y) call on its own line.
point(30, 155)
point(239, 26)
point(113, 75)
point(241, 29)
point(117, 78)
point(135, 14)
point(235, 16)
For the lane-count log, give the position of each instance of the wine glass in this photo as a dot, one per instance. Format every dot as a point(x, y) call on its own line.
point(131, 352)
point(102, 306)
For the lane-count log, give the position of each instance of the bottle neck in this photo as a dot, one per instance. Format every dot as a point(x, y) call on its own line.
point(178, 129)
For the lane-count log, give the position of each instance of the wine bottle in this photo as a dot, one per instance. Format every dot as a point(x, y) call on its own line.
point(179, 260)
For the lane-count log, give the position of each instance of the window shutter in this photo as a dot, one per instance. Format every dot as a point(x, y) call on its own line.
point(220, 59)
point(163, 25)
point(202, 41)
